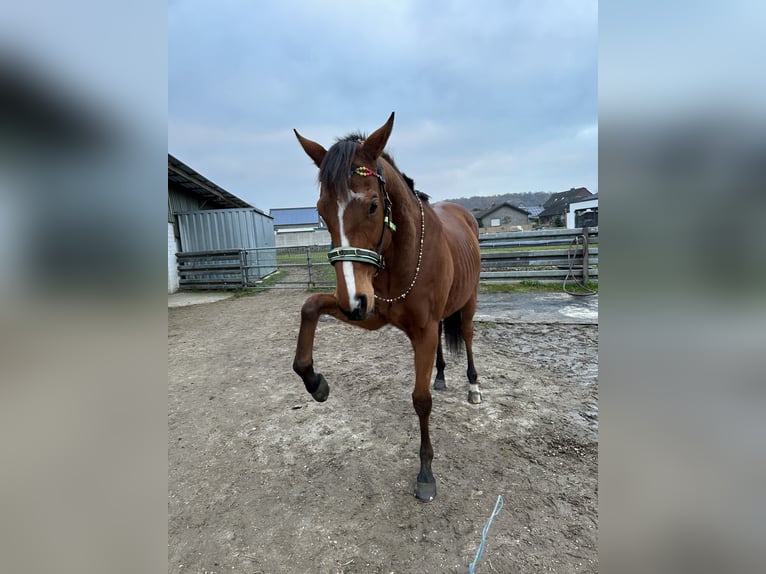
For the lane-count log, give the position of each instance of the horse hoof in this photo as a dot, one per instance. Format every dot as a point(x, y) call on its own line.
point(425, 491)
point(323, 390)
point(474, 397)
point(440, 385)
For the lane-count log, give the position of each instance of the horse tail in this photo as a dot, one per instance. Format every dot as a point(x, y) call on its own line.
point(453, 336)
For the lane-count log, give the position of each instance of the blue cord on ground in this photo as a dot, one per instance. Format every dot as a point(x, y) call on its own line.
point(480, 551)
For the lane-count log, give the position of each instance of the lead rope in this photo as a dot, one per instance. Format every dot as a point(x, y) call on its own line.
point(420, 259)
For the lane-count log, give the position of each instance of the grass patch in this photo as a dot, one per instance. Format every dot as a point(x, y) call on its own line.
point(533, 287)
point(298, 257)
point(323, 274)
point(576, 289)
point(264, 285)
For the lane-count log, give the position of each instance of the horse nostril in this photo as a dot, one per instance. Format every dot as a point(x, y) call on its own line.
point(362, 300)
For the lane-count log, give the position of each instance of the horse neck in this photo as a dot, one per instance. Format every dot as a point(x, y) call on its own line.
point(402, 252)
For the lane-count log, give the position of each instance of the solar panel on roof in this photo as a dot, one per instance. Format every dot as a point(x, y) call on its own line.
point(298, 216)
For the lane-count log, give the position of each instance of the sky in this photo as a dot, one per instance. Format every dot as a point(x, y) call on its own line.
point(491, 96)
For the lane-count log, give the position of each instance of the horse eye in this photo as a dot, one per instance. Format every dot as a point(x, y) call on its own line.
point(373, 207)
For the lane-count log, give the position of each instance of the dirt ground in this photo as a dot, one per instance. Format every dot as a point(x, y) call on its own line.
point(262, 479)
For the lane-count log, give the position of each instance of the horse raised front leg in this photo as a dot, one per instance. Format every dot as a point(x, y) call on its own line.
point(303, 364)
point(425, 344)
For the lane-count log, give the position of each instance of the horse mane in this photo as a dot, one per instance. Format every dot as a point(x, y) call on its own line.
point(411, 185)
point(336, 165)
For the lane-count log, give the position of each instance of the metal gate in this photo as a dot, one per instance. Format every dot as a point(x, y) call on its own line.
point(265, 267)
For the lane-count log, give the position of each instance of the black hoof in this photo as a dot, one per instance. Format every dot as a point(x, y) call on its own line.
point(425, 491)
point(440, 385)
point(323, 390)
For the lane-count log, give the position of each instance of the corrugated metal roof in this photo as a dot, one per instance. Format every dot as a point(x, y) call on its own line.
point(295, 216)
point(182, 175)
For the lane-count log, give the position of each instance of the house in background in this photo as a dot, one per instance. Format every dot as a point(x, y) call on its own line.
point(299, 226)
point(555, 209)
point(503, 216)
point(583, 213)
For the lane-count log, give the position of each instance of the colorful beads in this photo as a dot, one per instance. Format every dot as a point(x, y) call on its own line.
point(364, 172)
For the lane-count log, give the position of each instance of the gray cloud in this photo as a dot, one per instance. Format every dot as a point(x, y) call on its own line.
point(490, 97)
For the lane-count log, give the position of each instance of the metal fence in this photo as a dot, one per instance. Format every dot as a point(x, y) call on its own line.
point(546, 256)
point(272, 267)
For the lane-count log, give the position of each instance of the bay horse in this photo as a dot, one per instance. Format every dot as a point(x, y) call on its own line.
point(398, 261)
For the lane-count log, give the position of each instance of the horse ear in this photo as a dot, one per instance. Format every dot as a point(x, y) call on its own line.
point(376, 142)
point(315, 151)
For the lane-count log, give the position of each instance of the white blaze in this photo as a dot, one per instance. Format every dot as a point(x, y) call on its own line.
point(347, 266)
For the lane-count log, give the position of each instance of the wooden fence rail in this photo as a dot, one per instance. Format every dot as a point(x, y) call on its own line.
point(548, 255)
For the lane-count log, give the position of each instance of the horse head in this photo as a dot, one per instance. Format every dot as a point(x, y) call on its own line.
point(355, 205)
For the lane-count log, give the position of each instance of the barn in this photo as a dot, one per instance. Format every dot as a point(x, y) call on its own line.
point(203, 217)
